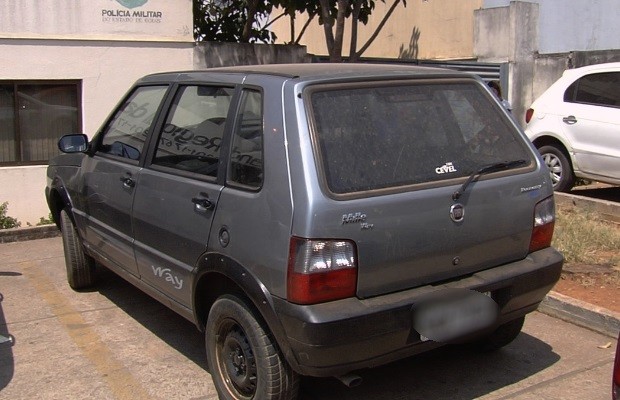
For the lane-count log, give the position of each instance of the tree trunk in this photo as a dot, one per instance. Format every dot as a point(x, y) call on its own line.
point(247, 27)
point(328, 24)
point(357, 5)
point(336, 55)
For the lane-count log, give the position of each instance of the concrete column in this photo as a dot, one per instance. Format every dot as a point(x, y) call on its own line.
point(510, 35)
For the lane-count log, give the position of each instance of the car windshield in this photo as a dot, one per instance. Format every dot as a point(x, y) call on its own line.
point(376, 137)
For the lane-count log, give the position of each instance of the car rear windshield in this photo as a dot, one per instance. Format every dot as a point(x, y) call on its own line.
point(387, 135)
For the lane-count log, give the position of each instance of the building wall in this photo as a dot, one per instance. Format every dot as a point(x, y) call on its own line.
point(83, 41)
point(139, 20)
point(104, 44)
point(23, 188)
point(106, 71)
point(519, 32)
point(575, 25)
point(216, 54)
point(427, 29)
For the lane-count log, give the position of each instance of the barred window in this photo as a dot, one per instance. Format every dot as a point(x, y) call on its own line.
point(33, 116)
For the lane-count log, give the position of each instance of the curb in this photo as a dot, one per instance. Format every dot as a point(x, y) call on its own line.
point(608, 210)
point(29, 233)
point(580, 313)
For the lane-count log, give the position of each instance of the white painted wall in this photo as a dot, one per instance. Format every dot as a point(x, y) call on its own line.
point(144, 20)
point(105, 44)
point(575, 25)
point(24, 189)
point(106, 70)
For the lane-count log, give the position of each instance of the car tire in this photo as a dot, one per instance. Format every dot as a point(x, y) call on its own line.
point(243, 359)
point(81, 273)
point(560, 168)
point(501, 336)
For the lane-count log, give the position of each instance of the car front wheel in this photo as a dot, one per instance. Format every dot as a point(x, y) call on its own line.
point(560, 168)
point(243, 359)
point(81, 272)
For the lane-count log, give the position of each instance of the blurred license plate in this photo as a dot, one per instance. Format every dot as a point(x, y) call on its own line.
point(452, 313)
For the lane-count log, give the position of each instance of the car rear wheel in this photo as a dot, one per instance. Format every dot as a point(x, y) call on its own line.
point(81, 272)
point(243, 359)
point(560, 168)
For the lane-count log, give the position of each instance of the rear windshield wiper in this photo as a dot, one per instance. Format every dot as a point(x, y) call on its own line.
point(485, 170)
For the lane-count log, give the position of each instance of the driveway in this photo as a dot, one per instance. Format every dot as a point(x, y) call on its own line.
point(117, 343)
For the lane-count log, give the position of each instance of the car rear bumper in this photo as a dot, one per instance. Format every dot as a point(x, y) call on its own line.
point(337, 337)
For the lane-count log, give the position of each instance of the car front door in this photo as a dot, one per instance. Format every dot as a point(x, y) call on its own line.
point(179, 189)
point(110, 176)
point(591, 121)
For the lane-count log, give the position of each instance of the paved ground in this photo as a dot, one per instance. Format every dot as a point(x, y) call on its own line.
point(116, 343)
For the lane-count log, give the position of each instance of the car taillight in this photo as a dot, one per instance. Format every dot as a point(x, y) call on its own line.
point(615, 385)
point(544, 221)
point(529, 114)
point(321, 270)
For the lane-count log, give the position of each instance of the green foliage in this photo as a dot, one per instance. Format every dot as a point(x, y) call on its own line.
point(232, 21)
point(246, 21)
point(46, 221)
point(7, 222)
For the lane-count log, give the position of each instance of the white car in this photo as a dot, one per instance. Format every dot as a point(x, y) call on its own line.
point(575, 125)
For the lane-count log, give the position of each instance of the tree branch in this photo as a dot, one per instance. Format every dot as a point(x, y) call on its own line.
point(303, 29)
point(268, 24)
point(376, 32)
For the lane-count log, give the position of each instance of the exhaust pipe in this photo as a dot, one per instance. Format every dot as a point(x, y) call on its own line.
point(350, 380)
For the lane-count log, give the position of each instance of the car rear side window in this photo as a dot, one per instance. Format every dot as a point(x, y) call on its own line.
point(125, 134)
point(599, 89)
point(246, 161)
point(191, 137)
point(393, 135)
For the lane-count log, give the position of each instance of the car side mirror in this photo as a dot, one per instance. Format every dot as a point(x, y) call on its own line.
point(74, 143)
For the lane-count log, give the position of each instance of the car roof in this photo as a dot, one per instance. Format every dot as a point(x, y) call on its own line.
point(614, 66)
point(557, 88)
point(311, 71)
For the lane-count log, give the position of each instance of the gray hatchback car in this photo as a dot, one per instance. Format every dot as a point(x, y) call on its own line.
point(313, 219)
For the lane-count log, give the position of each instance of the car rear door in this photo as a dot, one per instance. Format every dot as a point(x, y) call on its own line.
point(178, 191)
point(110, 175)
point(591, 121)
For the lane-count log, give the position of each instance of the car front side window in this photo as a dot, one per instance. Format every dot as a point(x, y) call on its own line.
point(125, 134)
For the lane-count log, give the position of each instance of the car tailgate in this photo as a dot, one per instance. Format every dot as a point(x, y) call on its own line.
point(409, 239)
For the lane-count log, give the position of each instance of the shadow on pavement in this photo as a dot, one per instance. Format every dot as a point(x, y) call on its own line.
point(452, 372)
point(605, 193)
point(173, 329)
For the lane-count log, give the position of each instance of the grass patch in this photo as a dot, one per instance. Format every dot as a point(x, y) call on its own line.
point(584, 238)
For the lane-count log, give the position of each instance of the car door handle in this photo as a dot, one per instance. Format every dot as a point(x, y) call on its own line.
point(202, 204)
point(128, 182)
point(570, 120)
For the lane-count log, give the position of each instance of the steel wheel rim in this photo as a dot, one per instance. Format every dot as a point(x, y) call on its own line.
point(236, 360)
